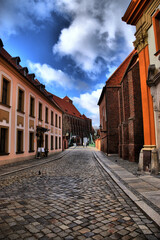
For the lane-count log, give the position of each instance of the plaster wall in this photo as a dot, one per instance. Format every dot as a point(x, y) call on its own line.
point(13, 125)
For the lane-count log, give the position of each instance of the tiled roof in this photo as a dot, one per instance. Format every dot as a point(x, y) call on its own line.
point(68, 107)
point(116, 77)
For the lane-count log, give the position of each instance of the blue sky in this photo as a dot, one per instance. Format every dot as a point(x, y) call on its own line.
point(72, 46)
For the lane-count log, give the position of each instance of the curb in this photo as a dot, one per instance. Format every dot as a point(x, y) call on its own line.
point(141, 204)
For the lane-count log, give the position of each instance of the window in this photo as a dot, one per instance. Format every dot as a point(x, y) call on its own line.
point(59, 142)
point(52, 118)
point(46, 115)
point(56, 120)
point(31, 106)
point(59, 122)
point(56, 143)
point(3, 141)
point(5, 92)
point(156, 27)
point(31, 142)
point(52, 143)
point(21, 100)
point(40, 112)
point(46, 141)
point(19, 141)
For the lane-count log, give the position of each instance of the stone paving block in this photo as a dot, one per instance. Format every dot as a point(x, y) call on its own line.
point(73, 198)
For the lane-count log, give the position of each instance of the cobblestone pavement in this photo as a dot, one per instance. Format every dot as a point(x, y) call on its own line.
point(71, 198)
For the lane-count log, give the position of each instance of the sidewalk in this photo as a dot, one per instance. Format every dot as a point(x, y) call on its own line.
point(143, 189)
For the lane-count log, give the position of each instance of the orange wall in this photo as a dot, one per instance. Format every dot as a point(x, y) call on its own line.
point(98, 144)
point(147, 103)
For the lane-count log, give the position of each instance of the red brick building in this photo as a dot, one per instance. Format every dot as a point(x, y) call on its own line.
point(120, 105)
point(130, 112)
point(75, 126)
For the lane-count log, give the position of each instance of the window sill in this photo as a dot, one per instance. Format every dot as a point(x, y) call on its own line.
point(31, 151)
point(157, 53)
point(5, 105)
point(47, 122)
point(4, 154)
point(19, 152)
point(20, 111)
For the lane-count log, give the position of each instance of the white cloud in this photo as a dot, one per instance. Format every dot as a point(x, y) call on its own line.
point(18, 15)
point(50, 75)
point(88, 102)
point(96, 35)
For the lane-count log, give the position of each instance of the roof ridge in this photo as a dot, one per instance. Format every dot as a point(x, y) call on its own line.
point(120, 65)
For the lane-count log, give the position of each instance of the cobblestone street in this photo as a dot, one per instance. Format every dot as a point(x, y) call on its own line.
point(70, 198)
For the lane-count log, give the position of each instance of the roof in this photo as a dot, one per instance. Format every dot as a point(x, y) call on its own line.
point(101, 96)
point(116, 77)
point(14, 62)
point(131, 64)
point(135, 10)
point(67, 106)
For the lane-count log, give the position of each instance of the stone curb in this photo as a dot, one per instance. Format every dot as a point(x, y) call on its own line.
point(62, 154)
point(141, 204)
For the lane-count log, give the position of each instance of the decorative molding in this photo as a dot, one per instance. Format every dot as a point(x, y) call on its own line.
point(143, 25)
point(153, 76)
point(141, 40)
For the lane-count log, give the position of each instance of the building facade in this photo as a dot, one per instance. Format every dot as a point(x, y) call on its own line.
point(130, 113)
point(29, 118)
point(75, 126)
point(145, 16)
point(121, 126)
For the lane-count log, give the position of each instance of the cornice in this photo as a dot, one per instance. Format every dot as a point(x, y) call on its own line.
point(135, 10)
point(143, 24)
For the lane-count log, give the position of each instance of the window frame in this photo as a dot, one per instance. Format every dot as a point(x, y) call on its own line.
point(52, 142)
point(32, 107)
point(156, 28)
point(4, 141)
point(5, 98)
point(46, 115)
point(52, 118)
point(31, 142)
point(20, 143)
point(20, 107)
point(40, 113)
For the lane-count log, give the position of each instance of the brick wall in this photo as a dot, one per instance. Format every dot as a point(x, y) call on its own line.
point(130, 108)
point(112, 119)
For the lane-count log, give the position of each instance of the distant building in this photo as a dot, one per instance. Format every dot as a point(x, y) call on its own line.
point(145, 15)
point(121, 127)
point(29, 117)
point(75, 126)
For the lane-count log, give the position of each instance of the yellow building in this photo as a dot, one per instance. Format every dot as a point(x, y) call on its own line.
point(30, 120)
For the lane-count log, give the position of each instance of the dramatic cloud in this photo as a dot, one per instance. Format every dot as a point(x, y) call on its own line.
point(22, 15)
point(50, 75)
point(96, 35)
point(88, 102)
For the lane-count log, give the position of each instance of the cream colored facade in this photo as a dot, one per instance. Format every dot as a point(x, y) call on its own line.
point(154, 79)
point(22, 124)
